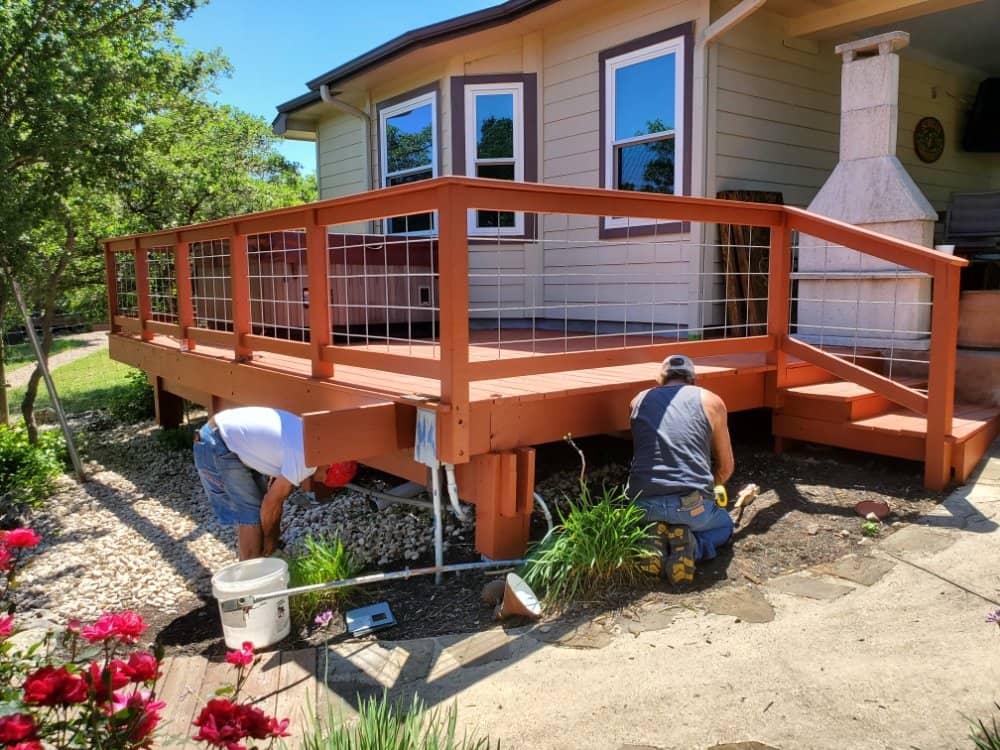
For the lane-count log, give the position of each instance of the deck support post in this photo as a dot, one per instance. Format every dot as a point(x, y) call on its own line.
point(142, 289)
point(239, 272)
point(779, 277)
point(185, 304)
point(169, 406)
point(111, 285)
point(503, 489)
point(453, 270)
point(941, 378)
point(319, 297)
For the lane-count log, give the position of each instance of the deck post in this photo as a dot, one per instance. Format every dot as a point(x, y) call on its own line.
point(185, 304)
point(111, 284)
point(142, 289)
point(503, 490)
point(941, 378)
point(453, 270)
point(239, 272)
point(779, 278)
point(317, 263)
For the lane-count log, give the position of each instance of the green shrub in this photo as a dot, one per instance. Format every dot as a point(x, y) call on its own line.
point(319, 560)
point(595, 545)
point(382, 725)
point(27, 471)
point(133, 402)
point(176, 438)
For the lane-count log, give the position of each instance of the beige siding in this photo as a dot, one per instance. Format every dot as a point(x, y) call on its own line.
point(587, 279)
point(341, 167)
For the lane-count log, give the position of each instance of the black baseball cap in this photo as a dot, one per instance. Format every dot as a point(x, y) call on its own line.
point(677, 365)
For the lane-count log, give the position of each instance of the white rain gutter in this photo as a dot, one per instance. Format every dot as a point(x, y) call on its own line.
point(329, 98)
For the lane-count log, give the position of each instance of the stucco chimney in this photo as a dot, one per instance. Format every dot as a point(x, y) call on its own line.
point(870, 188)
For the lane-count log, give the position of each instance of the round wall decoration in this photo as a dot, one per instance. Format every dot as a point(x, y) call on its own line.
point(928, 139)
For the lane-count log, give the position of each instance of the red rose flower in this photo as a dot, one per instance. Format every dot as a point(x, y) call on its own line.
point(243, 657)
point(126, 627)
point(6, 626)
point(143, 714)
point(19, 539)
point(260, 726)
point(16, 727)
point(54, 686)
point(142, 667)
point(28, 745)
point(6, 560)
point(220, 724)
point(105, 681)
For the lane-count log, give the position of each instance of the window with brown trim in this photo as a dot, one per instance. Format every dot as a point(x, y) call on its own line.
point(645, 92)
point(494, 135)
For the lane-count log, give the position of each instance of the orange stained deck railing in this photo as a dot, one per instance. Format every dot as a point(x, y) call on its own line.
point(152, 291)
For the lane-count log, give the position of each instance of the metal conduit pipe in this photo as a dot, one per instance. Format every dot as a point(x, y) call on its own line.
point(545, 512)
point(390, 498)
point(449, 470)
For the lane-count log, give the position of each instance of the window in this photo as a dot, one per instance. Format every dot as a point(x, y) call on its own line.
point(408, 143)
point(494, 147)
point(645, 121)
point(494, 129)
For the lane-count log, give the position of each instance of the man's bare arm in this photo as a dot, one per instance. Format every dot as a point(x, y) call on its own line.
point(270, 512)
point(722, 448)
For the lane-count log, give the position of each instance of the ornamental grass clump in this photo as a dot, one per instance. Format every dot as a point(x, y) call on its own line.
point(319, 560)
point(596, 546)
point(384, 725)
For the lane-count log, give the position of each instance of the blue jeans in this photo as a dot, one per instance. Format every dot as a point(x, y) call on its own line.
point(234, 490)
point(710, 525)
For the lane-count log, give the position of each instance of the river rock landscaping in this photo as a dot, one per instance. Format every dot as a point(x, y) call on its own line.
point(138, 535)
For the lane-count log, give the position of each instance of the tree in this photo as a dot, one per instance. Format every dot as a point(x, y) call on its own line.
point(408, 150)
point(496, 138)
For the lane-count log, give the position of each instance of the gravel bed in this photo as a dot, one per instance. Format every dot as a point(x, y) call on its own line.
point(140, 535)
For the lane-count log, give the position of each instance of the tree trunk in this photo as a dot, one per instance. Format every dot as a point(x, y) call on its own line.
point(51, 292)
point(4, 406)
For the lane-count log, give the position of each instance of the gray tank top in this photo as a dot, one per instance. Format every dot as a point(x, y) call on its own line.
point(672, 440)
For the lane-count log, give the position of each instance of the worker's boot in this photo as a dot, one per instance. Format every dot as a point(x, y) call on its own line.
point(678, 562)
point(672, 553)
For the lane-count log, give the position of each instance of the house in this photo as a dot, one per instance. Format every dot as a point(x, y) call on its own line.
point(518, 222)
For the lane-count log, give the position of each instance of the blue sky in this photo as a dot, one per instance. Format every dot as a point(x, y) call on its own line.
point(276, 47)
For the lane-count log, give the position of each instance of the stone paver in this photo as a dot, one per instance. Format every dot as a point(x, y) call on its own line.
point(648, 620)
point(746, 604)
point(475, 650)
point(917, 541)
point(585, 635)
point(378, 664)
point(812, 588)
point(863, 570)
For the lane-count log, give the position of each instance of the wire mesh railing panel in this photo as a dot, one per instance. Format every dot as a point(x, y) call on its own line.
point(576, 287)
point(126, 289)
point(384, 290)
point(861, 308)
point(162, 284)
point(279, 285)
point(211, 284)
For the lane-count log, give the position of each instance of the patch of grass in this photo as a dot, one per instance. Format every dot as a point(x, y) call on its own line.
point(596, 545)
point(382, 725)
point(986, 736)
point(319, 560)
point(89, 383)
point(20, 355)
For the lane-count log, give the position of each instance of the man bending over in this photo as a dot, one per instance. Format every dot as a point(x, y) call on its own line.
point(236, 451)
point(681, 451)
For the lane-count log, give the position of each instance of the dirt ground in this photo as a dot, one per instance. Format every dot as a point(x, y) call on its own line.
point(804, 516)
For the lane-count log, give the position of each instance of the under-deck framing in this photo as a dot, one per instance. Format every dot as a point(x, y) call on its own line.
point(497, 391)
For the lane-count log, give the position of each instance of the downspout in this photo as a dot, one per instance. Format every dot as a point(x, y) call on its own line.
point(329, 98)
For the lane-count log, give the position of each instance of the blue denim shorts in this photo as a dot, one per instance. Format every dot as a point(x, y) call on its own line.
point(711, 525)
point(234, 490)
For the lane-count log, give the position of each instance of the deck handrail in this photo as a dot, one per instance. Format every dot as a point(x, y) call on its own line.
point(452, 197)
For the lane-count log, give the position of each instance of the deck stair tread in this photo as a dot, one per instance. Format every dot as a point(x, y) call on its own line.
point(968, 420)
point(843, 390)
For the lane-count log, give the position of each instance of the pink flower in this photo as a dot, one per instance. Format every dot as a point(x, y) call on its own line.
point(17, 727)
point(54, 686)
point(126, 627)
point(29, 745)
point(142, 667)
point(6, 626)
point(6, 560)
point(323, 618)
point(223, 723)
point(19, 538)
point(243, 657)
point(143, 714)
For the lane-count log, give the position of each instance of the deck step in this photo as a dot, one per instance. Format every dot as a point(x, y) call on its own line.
point(898, 432)
point(839, 401)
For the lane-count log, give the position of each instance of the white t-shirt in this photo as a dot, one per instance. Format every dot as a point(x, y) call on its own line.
point(268, 440)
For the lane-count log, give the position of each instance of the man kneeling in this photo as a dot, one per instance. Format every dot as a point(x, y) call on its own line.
point(681, 451)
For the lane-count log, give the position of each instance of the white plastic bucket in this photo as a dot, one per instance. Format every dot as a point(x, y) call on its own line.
point(265, 622)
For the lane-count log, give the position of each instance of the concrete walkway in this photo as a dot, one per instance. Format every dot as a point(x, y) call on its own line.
point(92, 341)
point(884, 649)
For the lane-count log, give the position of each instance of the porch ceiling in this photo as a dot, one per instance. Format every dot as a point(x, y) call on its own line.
point(832, 18)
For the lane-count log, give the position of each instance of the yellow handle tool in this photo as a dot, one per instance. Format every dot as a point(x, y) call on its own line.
point(721, 497)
